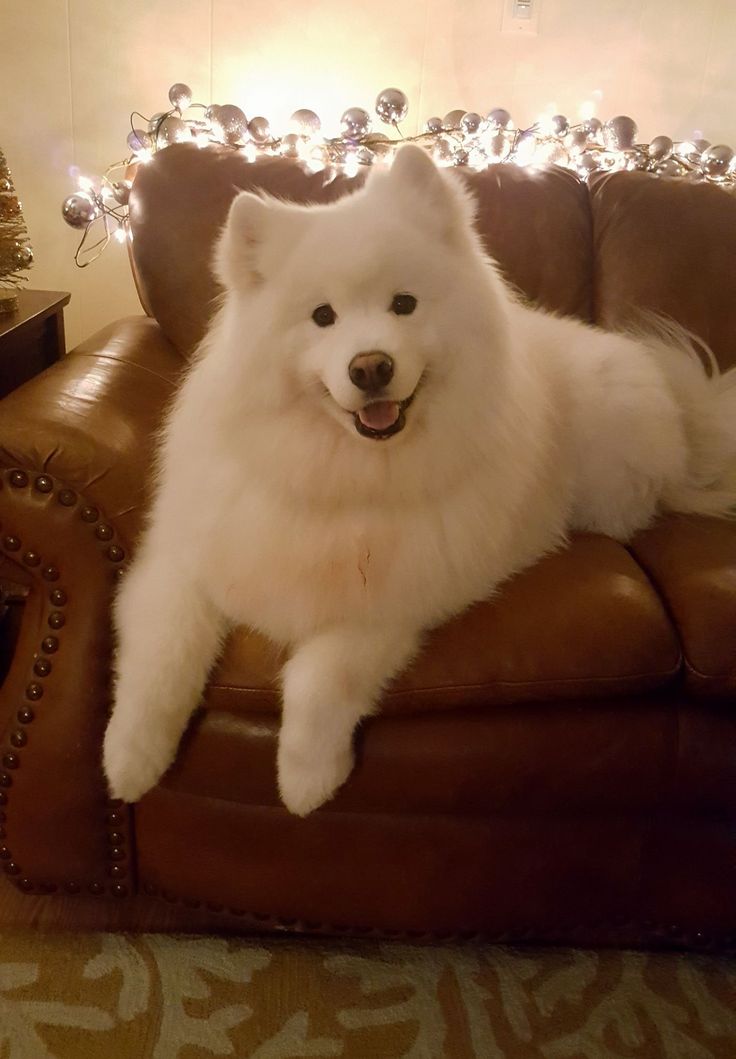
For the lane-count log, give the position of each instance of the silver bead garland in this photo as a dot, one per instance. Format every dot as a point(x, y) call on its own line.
point(461, 138)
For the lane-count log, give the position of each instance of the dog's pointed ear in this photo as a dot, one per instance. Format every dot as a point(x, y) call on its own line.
point(238, 254)
point(443, 203)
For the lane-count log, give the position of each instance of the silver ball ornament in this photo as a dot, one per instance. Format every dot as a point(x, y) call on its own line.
point(717, 160)
point(290, 145)
point(23, 256)
point(392, 106)
point(452, 120)
point(355, 123)
point(470, 122)
point(460, 156)
point(180, 96)
point(499, 118)
point(433, 125)
point(560, 124)
point(259, 129)
point(138, 140)
point(660, 148)
point(669, 168)
point(172, 130)
point(79, 210)
point(305, 122)
point(701, 146)
point(593, 128)
point(619, 134)
point(156, 120)
point(212, 112)
point(231, 122)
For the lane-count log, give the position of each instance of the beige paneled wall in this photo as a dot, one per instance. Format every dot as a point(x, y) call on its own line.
point(72, 70)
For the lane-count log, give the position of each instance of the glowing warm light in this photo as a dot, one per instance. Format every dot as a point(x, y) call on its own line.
point(202, 139)
point(120, 235)
point(586, 110)
point(351, 166)
point(85, 184)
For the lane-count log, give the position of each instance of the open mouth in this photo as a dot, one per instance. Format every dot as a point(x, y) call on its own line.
point(382, 419)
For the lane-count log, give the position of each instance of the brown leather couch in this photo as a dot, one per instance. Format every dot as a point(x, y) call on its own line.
point(558, 765)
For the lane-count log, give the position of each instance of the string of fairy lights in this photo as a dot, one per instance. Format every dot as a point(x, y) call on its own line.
point(460, 138)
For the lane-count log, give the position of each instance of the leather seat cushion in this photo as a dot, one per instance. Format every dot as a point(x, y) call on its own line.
point(692, 561)
point(582, 622)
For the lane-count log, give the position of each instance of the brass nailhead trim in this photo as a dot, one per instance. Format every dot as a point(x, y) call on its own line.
point(25, 715)
point(11, 761)
point(115, 553)
point(19, 738)
point(50, 644)
point(56, 619)
point(34, 691)
point(67, 497)
point(42, 667)
point(11, 544)
point(31, 558)
point(18, 479)
point(103, 532)
point(58, 597)
point(90, 514)
point(50, 573)
point(44, 484)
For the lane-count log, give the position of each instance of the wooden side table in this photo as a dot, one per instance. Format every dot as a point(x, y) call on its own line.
point(32, 337)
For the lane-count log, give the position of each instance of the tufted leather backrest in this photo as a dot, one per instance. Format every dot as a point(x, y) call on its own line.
point(536, 225)
point(632, 242)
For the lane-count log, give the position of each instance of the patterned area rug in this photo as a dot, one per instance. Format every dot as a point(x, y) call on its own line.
point(96, 996)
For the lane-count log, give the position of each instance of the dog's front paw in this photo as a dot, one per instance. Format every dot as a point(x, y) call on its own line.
point(132, 763)
point(309, 776)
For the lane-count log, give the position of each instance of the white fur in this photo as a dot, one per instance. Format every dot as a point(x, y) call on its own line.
point(274, 513)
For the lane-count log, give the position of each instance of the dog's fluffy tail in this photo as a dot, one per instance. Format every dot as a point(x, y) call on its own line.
point(707, 398)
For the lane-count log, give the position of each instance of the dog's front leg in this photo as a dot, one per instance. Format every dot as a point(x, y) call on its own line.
point(168, 637)
point(331, 682)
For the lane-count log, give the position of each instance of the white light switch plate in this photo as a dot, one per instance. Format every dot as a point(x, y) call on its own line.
point(521, 17)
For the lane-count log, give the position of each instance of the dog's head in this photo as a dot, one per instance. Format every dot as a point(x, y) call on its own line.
point(364, 303)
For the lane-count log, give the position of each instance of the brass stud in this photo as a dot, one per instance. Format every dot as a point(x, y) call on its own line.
point(116, 871)
point(34, 691)
point(67, 497)
point(118, 890)
point(31, 558)
point(58, 597)
point(71, 887)
point(19, 738)
point(115, 553)
point(5, 780)
point(12, 868)
point(95, 888)
point(115, 818)
point(116, 838)
point(103, 532)
point(56, 619)
point(90, 514)
point(5, 853)
point(50, 573)
point(11, 761)
point(25, 715)
point(18, 479)
point(117, 854)
point(11, 544)
point(26, 885)
point(50, 644)
point(42, 667)
point(44, 484)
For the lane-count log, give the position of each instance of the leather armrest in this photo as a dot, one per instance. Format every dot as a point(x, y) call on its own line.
point(76, 445)
point(90, 420)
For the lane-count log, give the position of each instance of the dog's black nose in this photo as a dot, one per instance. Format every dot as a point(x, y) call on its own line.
point(371, 371)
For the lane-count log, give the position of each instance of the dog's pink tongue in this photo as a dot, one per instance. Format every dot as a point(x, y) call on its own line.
point(379, 416)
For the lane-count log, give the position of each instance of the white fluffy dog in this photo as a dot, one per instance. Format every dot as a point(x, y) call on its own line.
point(375, 433)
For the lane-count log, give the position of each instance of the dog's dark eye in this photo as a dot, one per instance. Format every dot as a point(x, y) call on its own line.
point(403, 304)
point(324, 316)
